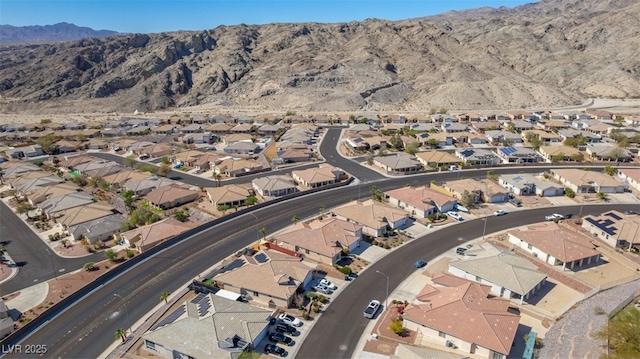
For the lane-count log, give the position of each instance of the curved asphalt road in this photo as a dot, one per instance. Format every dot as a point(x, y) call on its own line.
point(86, 328)
point(37, 262)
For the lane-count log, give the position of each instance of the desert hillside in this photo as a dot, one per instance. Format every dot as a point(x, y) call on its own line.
point(549, 54)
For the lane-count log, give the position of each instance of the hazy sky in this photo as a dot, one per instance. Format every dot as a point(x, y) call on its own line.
point(163, 15)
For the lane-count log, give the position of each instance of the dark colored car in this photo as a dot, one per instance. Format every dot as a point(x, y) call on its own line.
point(460, 250)
point(285, 328)
point(420, 263)
point(281, 338)
point(516, 202)
point(274, 349)
point(350, 276)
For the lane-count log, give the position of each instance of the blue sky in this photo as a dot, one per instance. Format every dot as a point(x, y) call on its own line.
point(147, 16)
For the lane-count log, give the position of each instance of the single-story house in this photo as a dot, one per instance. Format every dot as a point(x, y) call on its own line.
point(52, 206)
point(463, 315)
point(581, 181)
point(237, 167)
point(560, 153)
point(85, 213)
point(149, 236)
point(482, 190)
point(99, 229)
point(630, 176)
point(171, 196)
point(508, 275)
point(242, 147)
point(208, 326)
point(141, 187)
point(295, 153)
point(267, 278)
point(518, 155)
point(556, 245)
point(616, 229)
point(478, 156)
point(230, 195)
point(322, 175)
point(421, 201)
point(527, 184)
point(323, 240)
point(435, 159)
point(274, 186)
point(43, 193)
point(502, 136)
point(399, 163)
point(608, 152)
point(375, 218)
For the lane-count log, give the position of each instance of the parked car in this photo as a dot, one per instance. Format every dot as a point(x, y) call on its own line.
point(143, 157)
point(328, 284)
point(322, 289)
point(500, 212)
point(516, 202)
point(420, 263)
point(371, 309)
point(461, 250)
point(350, 276)
point(274, 349)
point(553, 216)
point(290, 319)
point(455, 215)
point(281, 338)
point(631, 212)
point(285, 328)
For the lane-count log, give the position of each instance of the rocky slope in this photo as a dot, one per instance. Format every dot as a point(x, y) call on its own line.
point(548, 54)
point(58, 32)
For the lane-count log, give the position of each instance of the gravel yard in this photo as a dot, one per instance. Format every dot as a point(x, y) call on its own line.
point(572, 336)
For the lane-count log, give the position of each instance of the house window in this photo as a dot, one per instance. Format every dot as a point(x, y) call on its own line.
point(150, 345)
point(497, 356)
point(442, 334)
point(529, 246)
point(255, 294)
point(306, 251)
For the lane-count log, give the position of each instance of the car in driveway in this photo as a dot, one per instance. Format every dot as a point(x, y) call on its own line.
point(322, 289)
point(286, 328)
point(350, 276)
point(420, 263)
point(328, 284)
point(274, 349)
point(290, 319)
point(553, 216)
point(500, 212)
point(281, 338)
point(371, 309)
point(516, 202)
point(455, 215)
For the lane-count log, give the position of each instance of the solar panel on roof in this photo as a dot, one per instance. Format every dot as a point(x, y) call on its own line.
point(204, 306)
point(171, 317)
point(198, 298)
point(613, 215)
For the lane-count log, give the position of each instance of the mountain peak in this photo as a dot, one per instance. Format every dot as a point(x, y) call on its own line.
point(61, 31)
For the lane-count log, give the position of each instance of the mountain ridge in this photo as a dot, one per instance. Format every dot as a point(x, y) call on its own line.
point(547, 54)
point(62, 31)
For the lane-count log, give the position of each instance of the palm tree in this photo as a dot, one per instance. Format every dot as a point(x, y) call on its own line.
point(218, 179)
point(121, 334)
point(164, 296)
point(263, 230)
point(294, 219)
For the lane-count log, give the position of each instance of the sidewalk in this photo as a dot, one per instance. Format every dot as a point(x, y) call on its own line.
point(29, 298)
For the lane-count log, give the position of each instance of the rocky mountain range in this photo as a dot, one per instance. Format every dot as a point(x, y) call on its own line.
point(547, 54)
point(58, 32)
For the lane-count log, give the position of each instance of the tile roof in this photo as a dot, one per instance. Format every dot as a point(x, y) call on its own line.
point(171, 193)
point(227, 194)
point(326, 237)
point(210, 334)
point(268, 272)
point(437, 157)
point(506, 270)
point(468, 312)
point(557, 241)
point(156, 232)
point(322, 173)
point(274, 183)
point(580, 177)
point(618, 225)
point(88, 212)
point(370, 213)
point(421, 197)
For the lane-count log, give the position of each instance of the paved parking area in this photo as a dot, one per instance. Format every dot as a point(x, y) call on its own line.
point(303, 330)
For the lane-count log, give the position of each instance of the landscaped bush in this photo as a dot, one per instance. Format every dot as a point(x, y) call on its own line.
point(322, 298)
point(345, 270)
point(312, 295)
point(396, 327)
point(306, 316)
point(375, 243)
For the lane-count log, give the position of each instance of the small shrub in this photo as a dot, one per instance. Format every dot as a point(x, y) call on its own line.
point(322, 298)
point(396, 327)
point(375, 243)
point(387, 246)
point(306, 316)
point(316, 309)
point(130, 254)
point(345, 270)
point(599, 311)
point(311, 295)
point(301, 308)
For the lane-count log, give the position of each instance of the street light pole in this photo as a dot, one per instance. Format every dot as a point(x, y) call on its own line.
point(53, 268)
point(126, 312)
point(386, 298)
point(484, 229)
